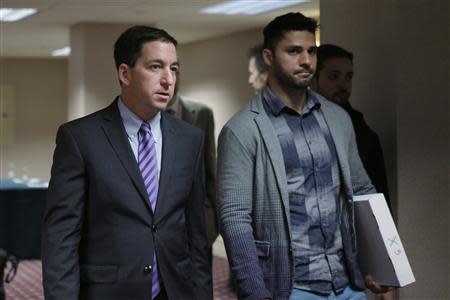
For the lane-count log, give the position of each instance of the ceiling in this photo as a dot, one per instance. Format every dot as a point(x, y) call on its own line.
point(47, 30)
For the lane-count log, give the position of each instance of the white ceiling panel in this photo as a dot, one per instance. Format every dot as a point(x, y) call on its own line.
point(47, 30)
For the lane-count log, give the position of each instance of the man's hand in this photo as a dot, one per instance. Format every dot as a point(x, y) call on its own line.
point(386, 296)
point(375, 287)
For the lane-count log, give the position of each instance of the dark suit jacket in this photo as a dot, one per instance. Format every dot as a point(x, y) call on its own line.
point(99, 232)
point(201, 116)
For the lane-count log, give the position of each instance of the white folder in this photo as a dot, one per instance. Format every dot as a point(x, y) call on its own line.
point(380, 250)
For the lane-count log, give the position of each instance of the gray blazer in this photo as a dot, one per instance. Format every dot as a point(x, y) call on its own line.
point(254, 201)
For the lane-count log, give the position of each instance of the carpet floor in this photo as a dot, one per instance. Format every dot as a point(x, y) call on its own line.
point(27, 285)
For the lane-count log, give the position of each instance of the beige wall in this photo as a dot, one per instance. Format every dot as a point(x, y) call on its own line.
point(40, 98)
point(402, 72)
point(93, 81)
point(215, 72)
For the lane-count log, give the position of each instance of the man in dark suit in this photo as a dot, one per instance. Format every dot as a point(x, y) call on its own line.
point(124, 213)
point(201, 116)
point(333, 80)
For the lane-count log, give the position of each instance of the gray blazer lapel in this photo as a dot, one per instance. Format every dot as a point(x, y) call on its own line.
point(117, 136)
point(168, 157)
point(273, 148)
point(335, 127)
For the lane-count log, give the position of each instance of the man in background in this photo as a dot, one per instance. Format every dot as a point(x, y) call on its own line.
point(257, 68)
point(333, 80)
point(201, 116)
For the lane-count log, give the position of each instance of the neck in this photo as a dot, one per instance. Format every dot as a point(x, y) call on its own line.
point(142, 112)
point(294, 98)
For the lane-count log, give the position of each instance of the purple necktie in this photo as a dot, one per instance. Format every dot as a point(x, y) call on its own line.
point(148, 164)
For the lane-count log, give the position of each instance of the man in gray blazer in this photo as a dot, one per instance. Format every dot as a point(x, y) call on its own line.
point(124, 213)
point(288, 168)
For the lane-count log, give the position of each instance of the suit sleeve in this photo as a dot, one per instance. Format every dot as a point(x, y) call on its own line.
point(210, 180)
point(195, 218)
point(235, 198)
point(63, 220)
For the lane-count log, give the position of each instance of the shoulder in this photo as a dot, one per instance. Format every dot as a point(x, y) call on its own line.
point(194, 105)
point(335, 115)
point(242, 127)
point(242, 120)
point(93, 120)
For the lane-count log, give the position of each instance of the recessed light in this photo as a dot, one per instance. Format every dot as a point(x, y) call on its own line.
point(15, 14)
point(249, 7)
point(61, 52)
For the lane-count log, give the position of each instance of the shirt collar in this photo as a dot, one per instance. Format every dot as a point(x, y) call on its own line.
point(132, 122)
point(276, 105)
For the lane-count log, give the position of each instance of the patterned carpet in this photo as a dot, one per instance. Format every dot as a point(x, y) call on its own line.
point(27, 285)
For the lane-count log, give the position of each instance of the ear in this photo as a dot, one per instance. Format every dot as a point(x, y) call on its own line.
point(268, 56)
point(124, 74)
point(264, 76)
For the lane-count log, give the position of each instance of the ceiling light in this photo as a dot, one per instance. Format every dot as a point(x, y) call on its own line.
point(15, 14)
point(61, 52)
point(248, 7)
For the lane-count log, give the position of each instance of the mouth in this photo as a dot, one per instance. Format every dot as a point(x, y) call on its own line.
point(303, 73)
point(163, 94)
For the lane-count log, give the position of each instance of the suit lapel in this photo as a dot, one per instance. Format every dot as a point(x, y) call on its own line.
point(115, 131)
point(168, 157)
point(274, 150)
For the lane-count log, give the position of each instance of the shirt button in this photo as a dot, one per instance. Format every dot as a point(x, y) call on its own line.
point(148, 269)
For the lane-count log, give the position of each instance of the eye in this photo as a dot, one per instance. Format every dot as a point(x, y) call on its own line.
point(293, 51)
point(175, 69)
point(155, 67)
point(312, 51)
point(333, 76)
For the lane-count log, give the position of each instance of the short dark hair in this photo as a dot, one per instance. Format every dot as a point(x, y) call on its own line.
point(330, 51)
point(275, 30)
point(256, 52)
point(128, 46)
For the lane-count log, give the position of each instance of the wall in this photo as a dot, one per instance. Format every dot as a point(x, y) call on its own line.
point(93, 82)
point(40, 96)
point(402, 73)
point(215, 72)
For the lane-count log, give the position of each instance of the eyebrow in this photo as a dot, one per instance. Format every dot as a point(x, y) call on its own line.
point(160, 61)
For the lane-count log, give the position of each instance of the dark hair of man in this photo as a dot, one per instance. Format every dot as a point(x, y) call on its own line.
point(128, 46)
point(256, 52)
point(329, 51)
point(275, 30)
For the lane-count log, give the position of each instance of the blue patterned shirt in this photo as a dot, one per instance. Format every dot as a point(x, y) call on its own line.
point(313, 177)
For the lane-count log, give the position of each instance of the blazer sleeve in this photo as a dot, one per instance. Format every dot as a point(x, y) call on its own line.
point(210, 180)
point(235, 198)
point(195, 218)
point(63, 218)
point(361, 182)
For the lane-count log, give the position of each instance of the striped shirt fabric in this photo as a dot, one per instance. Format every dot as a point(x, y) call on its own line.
point(313, 177)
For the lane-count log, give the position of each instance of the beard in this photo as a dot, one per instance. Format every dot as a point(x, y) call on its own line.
point(289, 81)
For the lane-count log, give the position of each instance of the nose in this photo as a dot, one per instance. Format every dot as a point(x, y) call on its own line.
point(168, 78)
point(304, 58)
point(344, 84)
point(250, 79)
